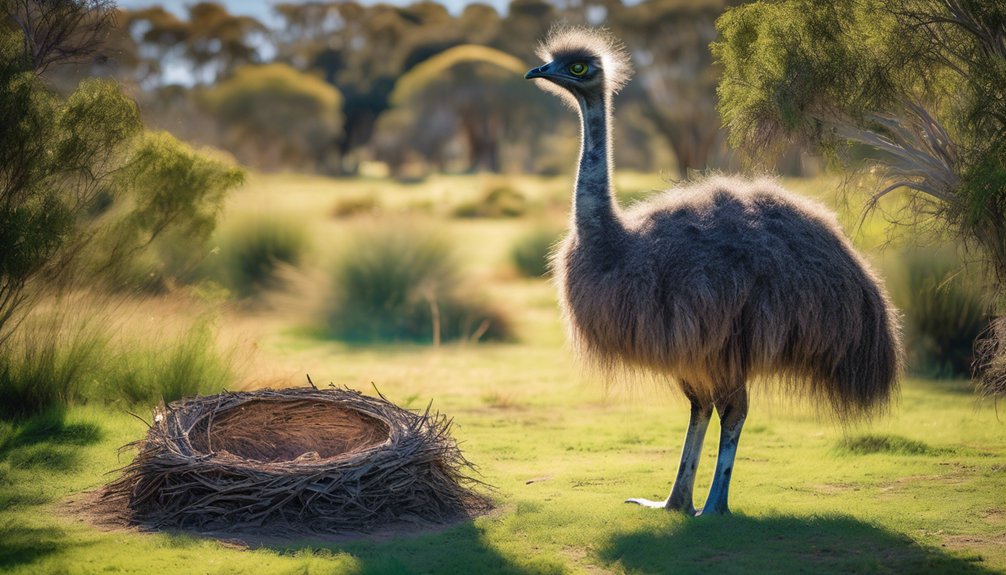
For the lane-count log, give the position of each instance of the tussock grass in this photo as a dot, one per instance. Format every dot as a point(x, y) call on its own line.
point(500, 201)
point(48, 364)
point(254, 250)
point(530, 252)
point(945, 312)
point(58, 360)
point(395, 283)
point(165, 370)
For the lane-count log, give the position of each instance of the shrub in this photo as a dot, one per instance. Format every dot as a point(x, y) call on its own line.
point(253, 251)
point(56, 361)
point(402, 284)
point(47, 365)
point(165, 371)
point(497, 202)
point(171, 197)
point(530, 253)
point(348, 207)
point(944, 313)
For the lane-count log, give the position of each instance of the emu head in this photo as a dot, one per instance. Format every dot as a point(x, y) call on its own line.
point(582, 64)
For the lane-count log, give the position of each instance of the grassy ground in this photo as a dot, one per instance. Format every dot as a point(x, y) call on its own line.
point(917, 490)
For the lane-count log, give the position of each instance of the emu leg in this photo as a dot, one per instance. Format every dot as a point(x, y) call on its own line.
point(732, 411)
point(680, 498)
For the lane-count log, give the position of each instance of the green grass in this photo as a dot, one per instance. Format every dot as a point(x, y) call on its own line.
point(919, 489)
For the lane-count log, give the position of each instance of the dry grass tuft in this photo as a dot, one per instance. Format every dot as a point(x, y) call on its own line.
point(294, 461)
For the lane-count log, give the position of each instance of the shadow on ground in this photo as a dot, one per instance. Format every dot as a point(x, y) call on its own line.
point(47, 442)
point(42, 445)
point(739, 544)
point(460, 549)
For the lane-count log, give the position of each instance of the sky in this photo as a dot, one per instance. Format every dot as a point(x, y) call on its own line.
point(262, 9)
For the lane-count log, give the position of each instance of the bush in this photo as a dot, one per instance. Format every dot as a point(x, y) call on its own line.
point(348, 207)
point(400, 284)
point(497, 202)
point(170, 198)
point(187, 366)
point(45, 366)
point(57, 362)
point(944, 313)
point(253, 251)
point(530, 253)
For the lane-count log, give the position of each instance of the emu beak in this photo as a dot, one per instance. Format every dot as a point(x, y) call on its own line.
point(539, 72)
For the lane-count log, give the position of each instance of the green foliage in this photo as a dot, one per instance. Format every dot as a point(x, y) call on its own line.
point(945, 312)
point(56, 362)
point(473, 92)
point(918, 84)
point(275, 116)
point(253, 252)
point(497, 202)
point(56, 158)
point(357, 205)
point(404, 284)
point(165, 370)
point(531, 251)
point(46, 367)
point(170, 197)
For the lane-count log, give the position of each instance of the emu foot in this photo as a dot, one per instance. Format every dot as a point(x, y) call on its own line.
point(686, 509)
point(712, 511)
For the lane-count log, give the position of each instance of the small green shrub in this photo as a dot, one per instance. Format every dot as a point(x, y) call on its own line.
point(497, 202)
point(166, 371)
point(47, 365)
point(355, 206)
point(253, 251)
point(55, 362)
point(945, 312)
point(403, 284)
point(530, 253)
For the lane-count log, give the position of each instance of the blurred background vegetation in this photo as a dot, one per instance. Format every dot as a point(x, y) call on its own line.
point(370, 173)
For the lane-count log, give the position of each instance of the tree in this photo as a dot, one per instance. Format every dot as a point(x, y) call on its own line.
point(66, 163)
point(55, 155)
point(473, 91)
point(670, 40)
point(920, 84)
point(219, 42)
point(274, 116)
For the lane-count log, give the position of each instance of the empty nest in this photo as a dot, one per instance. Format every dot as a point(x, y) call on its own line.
point(293, 461)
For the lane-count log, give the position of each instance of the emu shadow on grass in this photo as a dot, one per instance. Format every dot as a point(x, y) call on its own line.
point(740, 544)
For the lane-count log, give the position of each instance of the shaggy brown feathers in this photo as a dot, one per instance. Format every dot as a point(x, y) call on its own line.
point(727, 280)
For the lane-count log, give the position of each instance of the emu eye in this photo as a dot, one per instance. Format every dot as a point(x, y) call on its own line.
point(578, 68)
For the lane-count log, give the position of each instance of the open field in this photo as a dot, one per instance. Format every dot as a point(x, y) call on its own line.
point(919, 489)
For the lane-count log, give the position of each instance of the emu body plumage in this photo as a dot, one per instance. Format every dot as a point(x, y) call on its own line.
point(712, 285)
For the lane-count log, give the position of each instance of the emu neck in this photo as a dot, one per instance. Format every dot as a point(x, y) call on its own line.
point(594, 210)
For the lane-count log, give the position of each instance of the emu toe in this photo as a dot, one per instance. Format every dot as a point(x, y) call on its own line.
point(686, 509)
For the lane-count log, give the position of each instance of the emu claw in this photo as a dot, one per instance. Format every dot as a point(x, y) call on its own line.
point(647, 503)
point(690, 511)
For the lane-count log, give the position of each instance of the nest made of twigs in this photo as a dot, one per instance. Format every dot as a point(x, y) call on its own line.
point(299, 460)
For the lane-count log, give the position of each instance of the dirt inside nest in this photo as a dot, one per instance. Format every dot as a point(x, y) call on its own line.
point(296, 430)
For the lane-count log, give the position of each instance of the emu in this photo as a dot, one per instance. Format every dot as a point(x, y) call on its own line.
point(713, 284)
